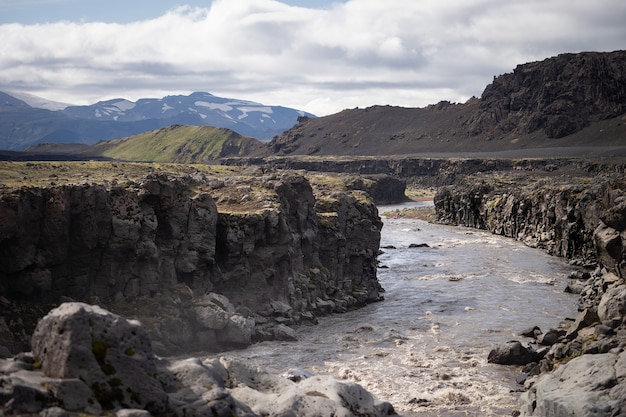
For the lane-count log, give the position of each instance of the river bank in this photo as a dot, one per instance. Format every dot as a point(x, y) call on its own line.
point(576, 369)
point(452, 293)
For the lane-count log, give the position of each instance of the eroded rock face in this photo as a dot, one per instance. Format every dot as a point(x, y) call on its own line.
point(560, 95)
point(164, 249)
point(82, 241)
point(560, 218)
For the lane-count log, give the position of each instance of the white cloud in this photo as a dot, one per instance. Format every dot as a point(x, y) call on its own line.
point(357, 53)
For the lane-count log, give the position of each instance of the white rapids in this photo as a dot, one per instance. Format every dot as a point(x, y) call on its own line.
point(424, 348)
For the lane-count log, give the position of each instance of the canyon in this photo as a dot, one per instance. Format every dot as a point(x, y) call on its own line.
point(205, 260)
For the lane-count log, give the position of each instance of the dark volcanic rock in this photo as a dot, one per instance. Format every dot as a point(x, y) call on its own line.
point(199, 261)
point(560, 217)
point(513, 353)
point(559, 95)
point(546, 104)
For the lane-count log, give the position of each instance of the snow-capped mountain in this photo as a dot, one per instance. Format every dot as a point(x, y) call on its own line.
point(245, 117)
point(38, 102)
point(27, 120)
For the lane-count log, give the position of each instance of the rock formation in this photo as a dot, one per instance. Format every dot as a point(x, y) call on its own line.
point(582, 371)
point(397, 172)
point(204, 261)
point(554, 214)
point(559, 95)
point(88, 360)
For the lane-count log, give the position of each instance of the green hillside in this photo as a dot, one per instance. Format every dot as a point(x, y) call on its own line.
point(177, 144)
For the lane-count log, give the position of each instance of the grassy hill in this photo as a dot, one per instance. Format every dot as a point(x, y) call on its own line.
point(177, 144)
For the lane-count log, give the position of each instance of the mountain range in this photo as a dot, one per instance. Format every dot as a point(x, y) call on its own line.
point(27, 120)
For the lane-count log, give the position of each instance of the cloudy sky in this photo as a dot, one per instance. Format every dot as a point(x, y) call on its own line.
point(320, 56)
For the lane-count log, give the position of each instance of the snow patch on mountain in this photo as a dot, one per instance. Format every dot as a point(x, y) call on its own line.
point(38, 102)
point(245, 110)
point(214, 106)
point(124, 105)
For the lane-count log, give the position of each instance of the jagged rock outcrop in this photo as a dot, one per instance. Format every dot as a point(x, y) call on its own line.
point(201, 260)
point(589, 385)
point(559, 95)
point(88, 360)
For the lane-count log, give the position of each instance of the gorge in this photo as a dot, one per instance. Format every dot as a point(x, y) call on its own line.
point(219, 230)
point(259, 249)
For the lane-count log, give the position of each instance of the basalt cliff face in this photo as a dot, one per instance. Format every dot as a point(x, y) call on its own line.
point(580, 369)
point(551, 213)
point(417, 171)
point(203, 261)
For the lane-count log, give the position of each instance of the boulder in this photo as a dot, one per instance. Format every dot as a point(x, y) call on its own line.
point(198, 389)
point(612, 307)
point(29, 391)
point(589, 385)
point(550, 337)
point(513, 353)
point(286, 333)
point(585, 318)
point(533, 332)
point(238, 331)
point(54, 412)
point(109, 354)
point(132, 413)
point(609, 246)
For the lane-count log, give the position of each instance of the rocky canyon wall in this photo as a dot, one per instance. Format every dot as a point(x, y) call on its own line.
point(579, 371)
point(204, 262)
point(560, 217)
point(430, 172)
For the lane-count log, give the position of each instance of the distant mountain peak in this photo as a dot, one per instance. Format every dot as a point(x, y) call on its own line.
point(38, 102)
point(119, 117)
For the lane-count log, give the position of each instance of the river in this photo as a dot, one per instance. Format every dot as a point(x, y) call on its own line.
point(424, 348)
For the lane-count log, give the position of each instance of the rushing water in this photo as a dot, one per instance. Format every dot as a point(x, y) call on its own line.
point(424, 348)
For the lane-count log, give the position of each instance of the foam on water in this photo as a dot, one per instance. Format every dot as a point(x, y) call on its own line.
point(425, 347)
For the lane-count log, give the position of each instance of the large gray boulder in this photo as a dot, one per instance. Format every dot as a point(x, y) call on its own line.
point(612, 307)
point(111, 355)
point(589, 385)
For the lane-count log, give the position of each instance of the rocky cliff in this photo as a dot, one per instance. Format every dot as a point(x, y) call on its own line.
point(390, 175)
point(580, 369)
point(205, 260)
point(560, 95)
point(557, 214)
